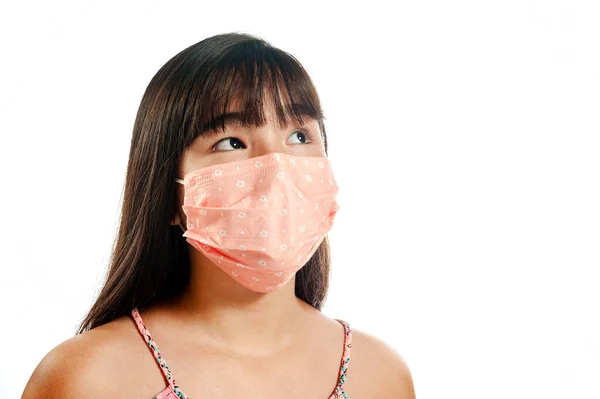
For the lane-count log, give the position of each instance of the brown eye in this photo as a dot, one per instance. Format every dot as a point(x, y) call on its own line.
point(301, 136)
point(228, 144)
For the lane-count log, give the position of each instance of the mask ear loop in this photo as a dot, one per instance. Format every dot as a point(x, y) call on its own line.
point(181, 225)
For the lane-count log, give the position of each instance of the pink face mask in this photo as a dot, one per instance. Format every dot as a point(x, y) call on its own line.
point(261, 219)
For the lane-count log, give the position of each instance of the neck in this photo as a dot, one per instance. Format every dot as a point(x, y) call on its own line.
point(232, 316)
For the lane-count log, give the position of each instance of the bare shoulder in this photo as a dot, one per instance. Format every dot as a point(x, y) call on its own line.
point(376, 369)
point(89, 365)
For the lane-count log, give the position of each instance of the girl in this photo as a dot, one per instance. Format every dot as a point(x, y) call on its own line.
point(222, 250)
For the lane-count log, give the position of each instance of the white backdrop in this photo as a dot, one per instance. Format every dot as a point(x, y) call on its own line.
point(464, 135)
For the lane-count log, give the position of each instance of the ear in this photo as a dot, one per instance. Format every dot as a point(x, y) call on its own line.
point(176, 220)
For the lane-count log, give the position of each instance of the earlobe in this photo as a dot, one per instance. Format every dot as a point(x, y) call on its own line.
point(176, 221)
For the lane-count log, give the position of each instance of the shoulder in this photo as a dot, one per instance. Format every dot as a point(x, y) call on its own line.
point(376, 369)
point(87, 365)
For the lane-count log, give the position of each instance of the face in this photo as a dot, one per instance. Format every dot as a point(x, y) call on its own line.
point(238, 143)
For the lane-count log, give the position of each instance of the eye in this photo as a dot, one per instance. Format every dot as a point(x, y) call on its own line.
point(228, 144)
point(302, 136)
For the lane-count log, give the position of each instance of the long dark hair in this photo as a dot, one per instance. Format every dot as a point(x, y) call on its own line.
point(150, 260)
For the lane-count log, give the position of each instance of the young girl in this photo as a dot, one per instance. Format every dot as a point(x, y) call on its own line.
point(222, 256)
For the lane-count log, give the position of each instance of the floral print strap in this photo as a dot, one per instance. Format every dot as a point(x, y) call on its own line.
point(157, 355)
point(339, 389)
point(337, 393)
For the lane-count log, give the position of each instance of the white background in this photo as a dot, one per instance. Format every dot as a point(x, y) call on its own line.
point(465, 137)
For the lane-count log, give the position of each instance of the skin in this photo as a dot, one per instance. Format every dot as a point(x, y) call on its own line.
point(219, 338)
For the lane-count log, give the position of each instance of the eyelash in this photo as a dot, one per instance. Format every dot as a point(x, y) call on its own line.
point(307, 134)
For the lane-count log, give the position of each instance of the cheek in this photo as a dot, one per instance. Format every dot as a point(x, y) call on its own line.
point(315, 151)
point(307, 150)
point(317, 148)
point(194, 158)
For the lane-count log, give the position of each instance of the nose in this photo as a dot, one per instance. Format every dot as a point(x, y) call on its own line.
point(267, 140)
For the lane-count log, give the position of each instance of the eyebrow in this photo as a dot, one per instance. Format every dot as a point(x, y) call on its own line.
point(234, 119)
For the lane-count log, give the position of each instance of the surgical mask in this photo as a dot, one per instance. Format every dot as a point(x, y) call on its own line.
point(260, 219)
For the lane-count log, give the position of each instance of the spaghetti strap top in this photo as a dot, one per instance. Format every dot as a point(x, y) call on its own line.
point(172, 390)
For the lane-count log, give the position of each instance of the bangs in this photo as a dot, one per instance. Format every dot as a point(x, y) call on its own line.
point(236, 89)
